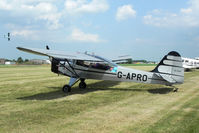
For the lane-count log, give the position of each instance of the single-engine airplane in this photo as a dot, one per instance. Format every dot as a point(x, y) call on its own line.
point(81, 66)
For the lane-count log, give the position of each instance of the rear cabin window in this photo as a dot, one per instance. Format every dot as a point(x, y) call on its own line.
point(95, 65)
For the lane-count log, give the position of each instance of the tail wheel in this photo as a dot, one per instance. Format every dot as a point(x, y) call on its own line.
point(82, 85)
point(66, 88)
point(175, 90)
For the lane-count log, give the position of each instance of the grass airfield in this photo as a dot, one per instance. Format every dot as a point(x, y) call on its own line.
point(31, 101)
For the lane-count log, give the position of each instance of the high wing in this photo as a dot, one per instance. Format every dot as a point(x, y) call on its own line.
point(64, 55)
point(122, 59)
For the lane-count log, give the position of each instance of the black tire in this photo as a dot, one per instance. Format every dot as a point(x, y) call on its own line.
point(175, 90)
point(82, 85)
point(66, 88)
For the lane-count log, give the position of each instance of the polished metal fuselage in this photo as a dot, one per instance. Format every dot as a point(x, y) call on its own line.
point(123, 74)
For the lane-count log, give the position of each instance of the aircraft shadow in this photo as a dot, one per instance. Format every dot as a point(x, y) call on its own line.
point(160, 90)
point(57, 91)
point(97, 86)
point(45, 96)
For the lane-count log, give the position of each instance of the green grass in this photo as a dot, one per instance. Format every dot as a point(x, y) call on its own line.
point(31, 101)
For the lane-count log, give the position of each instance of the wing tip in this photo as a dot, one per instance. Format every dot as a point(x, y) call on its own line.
point(18, 48)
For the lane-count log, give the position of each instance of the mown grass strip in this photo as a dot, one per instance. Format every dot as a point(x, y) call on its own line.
point(38, 105)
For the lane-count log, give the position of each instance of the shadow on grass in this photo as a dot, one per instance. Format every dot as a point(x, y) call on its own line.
point(160, 90)
point(59, 94)
point(44, 96)
point(97, 86)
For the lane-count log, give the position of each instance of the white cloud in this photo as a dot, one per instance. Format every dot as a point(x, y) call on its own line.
point(36, 10)
point(26, 33)
point(40, 7)
point(45, 11)
point(52, 20)
point(4, 5)
point(78, 35)
point(186, 17)
point(125, 12)
point(188, 10)
point(156, 11)
point(84, 6)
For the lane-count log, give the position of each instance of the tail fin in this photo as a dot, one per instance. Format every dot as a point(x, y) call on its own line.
point(170, 68)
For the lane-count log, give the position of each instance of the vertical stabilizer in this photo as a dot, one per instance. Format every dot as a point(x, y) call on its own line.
point(170, 68)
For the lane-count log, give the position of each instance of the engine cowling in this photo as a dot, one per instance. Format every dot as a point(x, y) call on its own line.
point(55, 65)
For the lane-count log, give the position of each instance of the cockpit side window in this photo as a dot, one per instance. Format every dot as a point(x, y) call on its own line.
point(82, 63)
point(102, 66)
point(95, 65)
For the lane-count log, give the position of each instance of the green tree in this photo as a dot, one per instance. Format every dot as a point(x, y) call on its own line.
point(26, 60)
point(20, 60)
point(129, 61)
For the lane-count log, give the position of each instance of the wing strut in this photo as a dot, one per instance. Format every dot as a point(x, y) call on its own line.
point(72, 68)
point(63, 65)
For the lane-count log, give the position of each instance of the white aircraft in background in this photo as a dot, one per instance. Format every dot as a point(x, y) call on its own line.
point(189, 63)
point(81, 66)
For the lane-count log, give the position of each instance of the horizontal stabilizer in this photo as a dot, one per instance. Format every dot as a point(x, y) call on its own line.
point(168, 78)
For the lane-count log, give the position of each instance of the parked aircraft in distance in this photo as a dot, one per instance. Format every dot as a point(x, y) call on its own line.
point(189, 63)
point(81, 66)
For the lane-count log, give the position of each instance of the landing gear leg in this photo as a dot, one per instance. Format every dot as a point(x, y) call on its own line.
point(175, 89)
point(82, 84)
point(67, 88)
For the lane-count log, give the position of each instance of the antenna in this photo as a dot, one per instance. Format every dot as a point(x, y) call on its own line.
point(47, 48)
point(8, 36)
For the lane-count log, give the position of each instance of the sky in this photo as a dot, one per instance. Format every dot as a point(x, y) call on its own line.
point(143, 29)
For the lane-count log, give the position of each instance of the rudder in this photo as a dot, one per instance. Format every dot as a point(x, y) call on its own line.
point(170, 68)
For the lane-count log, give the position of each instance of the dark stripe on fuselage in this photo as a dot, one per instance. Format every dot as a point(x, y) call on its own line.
point(157, 79)
point(95, 71)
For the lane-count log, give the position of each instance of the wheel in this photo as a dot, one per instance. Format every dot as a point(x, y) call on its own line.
point(66, 88)
point(175, 90)
point(82, 85)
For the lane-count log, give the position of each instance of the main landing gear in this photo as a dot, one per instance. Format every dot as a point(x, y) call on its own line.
point(175, 89)
point(66, 88)
point(73, 81)
point(82, 84)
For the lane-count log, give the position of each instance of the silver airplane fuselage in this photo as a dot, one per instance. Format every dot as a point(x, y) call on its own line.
point(120, 74)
